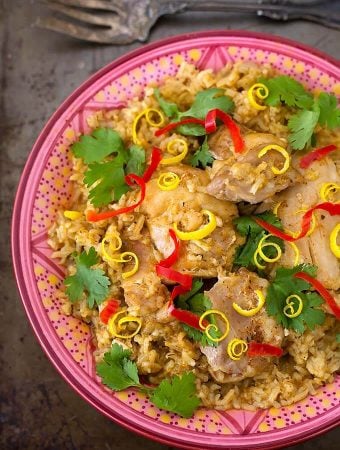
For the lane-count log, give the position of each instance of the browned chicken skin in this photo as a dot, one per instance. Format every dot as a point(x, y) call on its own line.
point(244, 176)
point(314, 249)
point(184, 205)
point(144, 291)
point(240, 288)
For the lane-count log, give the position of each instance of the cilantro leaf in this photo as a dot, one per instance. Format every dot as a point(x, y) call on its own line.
point(205, 101)
point(337, 338)
point(136, 163)
point(302, 127)
point(109, 180)
point(170, 109)
point(329, 113)
point(197, 303)
point(246, 226)
point(92, 281)
point(177, 395)
point(116, 370)
point(96, 146)
point(287, 90)
point(202, 156)
point(191, 129)
point(284, 285)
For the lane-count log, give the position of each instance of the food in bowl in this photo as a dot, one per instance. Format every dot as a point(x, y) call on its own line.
point(202, 240)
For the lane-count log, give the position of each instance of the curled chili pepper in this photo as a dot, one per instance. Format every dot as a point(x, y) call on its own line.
point(332, 208)
point(156, 157)
point(316, 155)
point(163, 269)
point(109, 310)
point(211, 126)
point(320, 288)
point(130, 179)
point(171, 259)
point(173, 275)
point(262, 349)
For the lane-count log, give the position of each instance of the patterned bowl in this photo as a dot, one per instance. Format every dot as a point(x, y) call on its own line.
point(44, 188)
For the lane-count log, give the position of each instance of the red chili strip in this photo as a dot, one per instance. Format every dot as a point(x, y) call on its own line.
point(109, 310)
point(316, 155)
point(156, 157)
point(320, 288)
point(130, 179)
point(332, 208)
point(261, 349)
point(173, 275)
point(173, 125)
point(171, 259)
point(210, 127)
point(186, 317)
point(163, 269)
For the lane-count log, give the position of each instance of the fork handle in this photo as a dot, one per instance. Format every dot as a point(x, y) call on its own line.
point(285, 12)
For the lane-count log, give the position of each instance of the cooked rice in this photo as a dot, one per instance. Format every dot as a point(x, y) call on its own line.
point(162, 348)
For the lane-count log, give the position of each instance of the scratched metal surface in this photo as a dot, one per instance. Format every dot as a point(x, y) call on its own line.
point(38, 69)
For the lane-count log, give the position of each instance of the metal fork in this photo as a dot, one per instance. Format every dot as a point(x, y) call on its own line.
point(123, 22)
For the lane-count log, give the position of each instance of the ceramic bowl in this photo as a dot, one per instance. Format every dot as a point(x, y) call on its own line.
point(44, 189)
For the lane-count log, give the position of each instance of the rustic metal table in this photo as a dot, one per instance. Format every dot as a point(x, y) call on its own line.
point(38, 69)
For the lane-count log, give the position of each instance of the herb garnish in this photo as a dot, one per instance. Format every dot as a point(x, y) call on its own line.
point(177, 394)
point(285, 284)
point(92, 281)
point(247, 227)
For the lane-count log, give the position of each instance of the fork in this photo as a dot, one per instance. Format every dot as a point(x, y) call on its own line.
point(123, 22)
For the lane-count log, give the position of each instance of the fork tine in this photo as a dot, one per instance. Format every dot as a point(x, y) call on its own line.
point(108, 20)
point(102, 36)
point(96, 4)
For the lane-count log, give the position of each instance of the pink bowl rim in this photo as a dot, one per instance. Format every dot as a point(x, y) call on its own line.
point(21, 253)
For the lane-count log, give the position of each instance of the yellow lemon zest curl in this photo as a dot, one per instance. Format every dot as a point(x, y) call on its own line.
point(168, 181)
point(126, 257)
point(201, 232)
point(327, 190)
point(212, 326)
point(113, 242)
point(73, 215)
point(148, 113)
point(257, 91)
point(276, 208)
point(289, 311)
point(283, 152)
point(253, 311)
point(335, 247)
point(232, 351)
point(115, 327)
point(173, 151)
point(296, 251)
point(259, 252)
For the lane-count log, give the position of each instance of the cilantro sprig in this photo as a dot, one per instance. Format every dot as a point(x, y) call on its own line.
point(93, 282)
point(322, 110)
point(177, 394)
point(285, 284)
point(202, 157)
point(96, 146)
point(246, 226)
point(197, 303)
point(287, 90)
point(204, 101)
point(104, 177)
